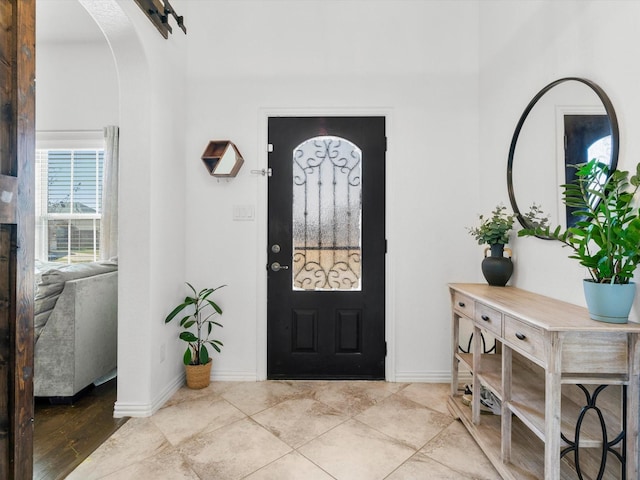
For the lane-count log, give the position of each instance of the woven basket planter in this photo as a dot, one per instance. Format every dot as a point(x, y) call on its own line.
point(198, 376)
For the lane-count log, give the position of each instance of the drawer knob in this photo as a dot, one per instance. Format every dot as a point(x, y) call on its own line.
point(485, 318)
point(520, 336)
point(461, 304)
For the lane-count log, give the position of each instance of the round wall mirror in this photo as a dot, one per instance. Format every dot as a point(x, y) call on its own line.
point(568, 122)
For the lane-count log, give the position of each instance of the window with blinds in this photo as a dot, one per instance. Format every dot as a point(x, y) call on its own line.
point(68, 204)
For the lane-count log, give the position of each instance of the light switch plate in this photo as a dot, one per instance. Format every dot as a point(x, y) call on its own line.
point(243, 213)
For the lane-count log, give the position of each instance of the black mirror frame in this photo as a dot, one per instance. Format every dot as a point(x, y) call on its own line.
point(615, 137)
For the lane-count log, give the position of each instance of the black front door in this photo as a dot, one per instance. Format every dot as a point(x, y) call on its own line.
point(326, 271)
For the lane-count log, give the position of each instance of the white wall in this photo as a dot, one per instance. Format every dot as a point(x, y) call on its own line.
point(152, 202)
point(451, 106)
point(415, 61)
point(77, 86)
point(523, 47)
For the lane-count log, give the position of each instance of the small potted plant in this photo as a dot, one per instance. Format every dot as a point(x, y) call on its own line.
point(198, 325)
point(494, 231)
point(605, 238)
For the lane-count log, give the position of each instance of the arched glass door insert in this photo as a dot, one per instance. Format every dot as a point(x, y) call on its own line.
point(327, 215)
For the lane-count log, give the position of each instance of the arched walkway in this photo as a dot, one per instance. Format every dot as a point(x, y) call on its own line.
point(135, 97)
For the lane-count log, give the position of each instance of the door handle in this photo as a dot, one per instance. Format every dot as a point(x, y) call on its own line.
point(275, 266)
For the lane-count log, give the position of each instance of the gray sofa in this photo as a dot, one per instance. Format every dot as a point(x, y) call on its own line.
point(75, 326)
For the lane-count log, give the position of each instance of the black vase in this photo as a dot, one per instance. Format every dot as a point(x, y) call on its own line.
point(497, 268)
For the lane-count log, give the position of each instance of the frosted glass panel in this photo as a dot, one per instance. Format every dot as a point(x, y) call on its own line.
point(327, 215)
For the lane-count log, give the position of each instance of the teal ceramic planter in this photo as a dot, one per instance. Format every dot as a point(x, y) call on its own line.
point(608, 302)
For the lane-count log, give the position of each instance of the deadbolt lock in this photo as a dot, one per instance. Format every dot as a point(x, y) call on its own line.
point(276, 267)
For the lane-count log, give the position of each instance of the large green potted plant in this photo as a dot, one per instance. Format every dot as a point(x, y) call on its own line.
point(198, 324)
point(605, 238)
point(494, 231)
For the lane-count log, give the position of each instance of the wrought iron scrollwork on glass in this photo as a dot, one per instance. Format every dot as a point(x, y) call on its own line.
point(327, 213)
point(608, 446)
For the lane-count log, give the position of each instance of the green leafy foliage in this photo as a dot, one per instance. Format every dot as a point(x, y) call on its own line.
point(202, 309)
point(493, 229)
point(606, 237)
point(536, 216)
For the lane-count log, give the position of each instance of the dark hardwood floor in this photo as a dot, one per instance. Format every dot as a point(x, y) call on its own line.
point(64, 435)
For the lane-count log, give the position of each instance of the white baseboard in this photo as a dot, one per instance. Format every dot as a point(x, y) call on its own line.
point(400, 377)
point(130, 409)
point(125, 409)
point(231, 376)
point(423, 377)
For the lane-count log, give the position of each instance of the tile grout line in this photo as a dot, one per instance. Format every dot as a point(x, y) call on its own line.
point(350, 402)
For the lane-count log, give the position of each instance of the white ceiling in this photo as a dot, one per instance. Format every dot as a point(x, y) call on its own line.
point(65, 21)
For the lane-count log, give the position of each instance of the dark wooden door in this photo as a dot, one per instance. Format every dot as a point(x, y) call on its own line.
point(326, 271)
point(17, 151)
point(581, 132)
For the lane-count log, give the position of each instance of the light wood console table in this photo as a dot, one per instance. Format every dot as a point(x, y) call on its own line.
point(567, 385)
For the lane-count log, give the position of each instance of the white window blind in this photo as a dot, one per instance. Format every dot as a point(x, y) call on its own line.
point(68, 203)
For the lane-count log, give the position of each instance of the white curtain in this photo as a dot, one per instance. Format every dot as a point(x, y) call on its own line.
point(109, 222)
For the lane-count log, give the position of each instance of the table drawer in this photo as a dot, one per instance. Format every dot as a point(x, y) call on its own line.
point(463, 304)
point(488, 318)
point(524, 338)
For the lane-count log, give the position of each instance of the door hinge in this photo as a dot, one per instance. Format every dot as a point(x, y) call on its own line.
point(269, 147)
point(385, 348)
point(386, 142)
point(385, 245)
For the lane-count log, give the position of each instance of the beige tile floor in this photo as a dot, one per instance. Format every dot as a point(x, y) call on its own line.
point(294, 430)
